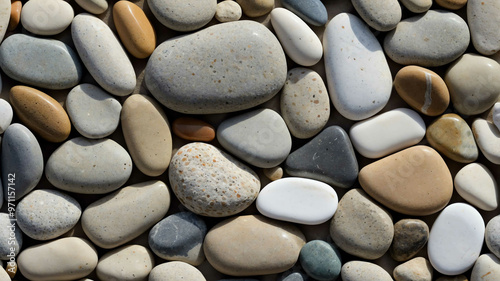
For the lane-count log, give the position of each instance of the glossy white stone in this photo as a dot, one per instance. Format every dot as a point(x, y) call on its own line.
point(483, 18)
point(46, 17)
point(487, 138)
point(486, 268)
point(476, 184)
point(6, 116)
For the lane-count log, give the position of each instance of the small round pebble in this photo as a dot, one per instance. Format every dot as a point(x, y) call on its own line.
point(256, 8)
point(320, 260)
point(476, 184)
point(492, 235)
point(175, 270)
point(6, 116)
point(417, 269)
point(8, 242)
point(228, 10)
point(410, 236)
point(93, 6)
point(127, 263)
point(274, 173)
point(193, 129)
point(46, 17)
point(362, 271)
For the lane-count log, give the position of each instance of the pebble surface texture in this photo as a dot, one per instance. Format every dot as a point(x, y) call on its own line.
point(46, 17)
point(410, 236)
point(184, 15)
point(131, 262)
point(16, 238)
point(380, 15)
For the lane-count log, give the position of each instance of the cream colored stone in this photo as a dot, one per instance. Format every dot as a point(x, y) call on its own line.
point(256, 8)
point(127, 263)
point(417, 269)
point(228, 10)
point(174, 271)
point(93, 6)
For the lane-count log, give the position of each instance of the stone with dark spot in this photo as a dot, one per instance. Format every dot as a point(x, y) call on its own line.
point(410, 235)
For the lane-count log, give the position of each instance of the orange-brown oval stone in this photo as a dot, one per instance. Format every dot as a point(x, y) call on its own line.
point(40, 113)
point(15, 14)
point(134, 28)
point(451, 4)
point(193, 129)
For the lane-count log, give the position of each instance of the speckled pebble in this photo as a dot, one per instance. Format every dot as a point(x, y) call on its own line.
point(417, 269)
point(410, 236)
point(320, 260)
point(46, 17)
point(6, 116)
point(228, 10)
point(175, 270)
point(5, 8)
point(362, 271)
point(492, 235)
point(486, 268)
point(483, 18)
point(380, 15)
point(8, 242)
point(184, 15)
point(127, 263)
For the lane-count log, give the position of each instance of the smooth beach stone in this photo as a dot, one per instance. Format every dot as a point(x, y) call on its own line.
point(147, 134)
point(418, 172)
point(231, 66)
point(388, 132)
point(417, 269)
point(299, 41)
point(476, 184)
point(451, 4)
point(304, 103)
point(11, 237)
point(21, 160)
point(46, 17)
point(175, 270)
point(320, 260)
point(103, 55)
point(126, 213)
point(487, 138)
point(495, 112)
point(358, 76)
point(298, 200)
point(415, 40)
point(410, 236)
point(87, 166)
point(380, 15)
point(453, 278)
point(256, 8)
point(134, 28)
point(417, 6)
point(486, 268)
point(186, 15)
point(210, 182)
point(456, 239)
point(259, 137)
point(452, 136)
point(193, 129)
point(40, 113)
point(93, 6)
point(6, 116)
point(5, 9)
point(227, 11)
point(15, 14)
point(265, 246)
point(492, 235)
point(274, 173)
point(94, 113)
point(483, 18)
point(6, 275)
point(362, 270)
point(127, 263)
point(67, 258)
point(179, 237)
point(474, 83)
point(360, 227)
point(313, 12)
point(39, 222)
point(40, 62)
point(422, 89)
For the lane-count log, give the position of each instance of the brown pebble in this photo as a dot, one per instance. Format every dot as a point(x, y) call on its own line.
point(11, 269)
point(256, 8)
point(274, 173)
point(193, 129)
point(453, 278)
point(410, 236)
point(15, 15)
point(451, 4)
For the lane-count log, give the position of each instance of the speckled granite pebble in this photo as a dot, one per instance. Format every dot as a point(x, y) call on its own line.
point(417, 269)
point(5, 8)
point(410, 236)
point(6, 116)
point(362, 271)
point(320, 260)
point(380, 15)
point(184, 15)
point(46, 17)
point(313, 12)
point(93, 6)
point(175, 270)
point(492, 235)
point(7, 225)
point(483, 18)
point(227, 11)
point(127, 263)
point(486, 268)
point(476, 184)
point(487, 138)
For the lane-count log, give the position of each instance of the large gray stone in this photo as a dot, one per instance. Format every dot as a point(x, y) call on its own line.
point(183, 15)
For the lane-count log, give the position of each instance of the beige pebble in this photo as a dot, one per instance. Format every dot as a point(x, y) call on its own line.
point(256, 8)
point(228, 10)
point(417, 269)
point(274, 173)
point(131, 263)
point(175, 271)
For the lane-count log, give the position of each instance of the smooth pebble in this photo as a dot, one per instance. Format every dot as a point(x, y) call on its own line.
point(492, 235)
point(451, 4)
point(417, 6)
point(486, 268)
point(46, 17)
point(15, 14)
point(274, 173)
point(11, 237)
point(320, 260)
point(93, 6)
point(193, 129)
point(362, 270)
point(6, 116)
point(175, 270)
point(313, 12)
point(127, 263)
point(483, 18)
point(495, 118)
point(227, 11)
point(477, 185)
point(256, 8)
point(380, 15)
point(5, 9)
point(185, 15)
point(487, 137)
point(417, 269)
point(410, 236)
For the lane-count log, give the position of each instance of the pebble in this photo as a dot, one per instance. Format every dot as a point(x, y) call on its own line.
point(492, 235)
point(416, 40)
point(494, 115)
point(256, 8)
point(67, 258)
point(87, 166)
point(451, 4)
point(46, 17)
point(259, 137)
point(184, 15)
point(39, 62)
point(298, 200)
point(477, 185)
point(103, 55)
point(199, 175)
point(15, 14)
point(193, 129)
point(93, 6)
point(147, 134)
point(410, 236)
point(313, 12)
point(487, 138)
point(265, 246)
point(126, 213)
point(362, 270)
point(367, 236)
point(6, 116)
point(304, 103)
point(10, 270)
point(40, 113)
point(11, 237)
point(387, 133)
point(452, 136)
point(320, 260)
point(274, 173)
point(39, 222)
point(418, 173)
point(226, 73)
point(175, 270)
point(131, 263)
point(299, 41)
point(358, 75)
point(483, 18)
point(94, 113)
point(5, 10)
point(417, 6)
point(330, 158)
point(423, 89)
point(486, 268)
point(179, 237)
point(417, 269)
point(227, 11)
point(380, 15)
point(21, 160)
point(456, 239)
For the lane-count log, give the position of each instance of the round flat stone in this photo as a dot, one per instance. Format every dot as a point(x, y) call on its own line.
point(7, 114)
point(320, 260)
point(126, 213)
point(456, 239)
point(227, 11)
point(492, 235)
point(313, 12)
point(486, 268)
point(476, 184)
point(175, 270)
point(11, 237)
point(367, 236)
point(131, 262)
point(184, 15)
point(93, 6)
point(452, 136)
point(417, 269)
point(380, 15)
point(46, 17)
point(5, 9)
point(15, 14)
point(487, 137)
point(193, 129)
point(410, 236)
point(415, 181)
point(265, 246)
point(483, 18)
point(417, 6)
point(451, 4)
point(415, 40)
point(94, 113)
point(256, 8)
point(259, 137)
point(362, 270)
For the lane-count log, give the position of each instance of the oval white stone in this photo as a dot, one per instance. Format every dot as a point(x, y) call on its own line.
point(46, 17)
point(299, 41)
point(6, 116)
point(298, 200)
point(483, 18)
point(456, 239)
point(386, 133)
point(487, 138)
point(358, 76)
point(476, 184)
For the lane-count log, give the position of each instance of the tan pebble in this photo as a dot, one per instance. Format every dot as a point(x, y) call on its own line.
point(193, 129)
point(417, 269)
point(227, 11)
point(256, 8)
point(453, 278)
point(134, 28)
point(274, 173)
point(11, 269)
point(93, 6)
point(15, 15)
point(40, 113)
point(451, 4)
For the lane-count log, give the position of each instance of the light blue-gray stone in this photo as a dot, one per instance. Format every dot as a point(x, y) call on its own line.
point(312, 11)
point(381, 15)
point(296, 273)
point(183, 15)
point(8, 226)
point(224, 68)
point(320, 260)
point(44, 63)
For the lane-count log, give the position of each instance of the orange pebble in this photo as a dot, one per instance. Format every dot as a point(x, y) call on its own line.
point(193, 129)
point(15, 14)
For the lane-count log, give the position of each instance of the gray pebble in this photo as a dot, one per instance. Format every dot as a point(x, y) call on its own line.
point(183, 15)
point(10, 237)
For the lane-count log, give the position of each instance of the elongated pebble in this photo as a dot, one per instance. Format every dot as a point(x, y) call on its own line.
point(175, 270)
point(15, 14)
point(492, 235)
point(483, 18)
point(6, 116)
point(313, 12)
point(362, 270)
point(93, 6)
point(46, 17)
point(131, 263)
point(193, 129)
point(476, 184)
point(5, 8)
point(487, 138)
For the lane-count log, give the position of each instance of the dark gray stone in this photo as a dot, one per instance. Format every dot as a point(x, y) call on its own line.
point(410, 236)
point(311, 11)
